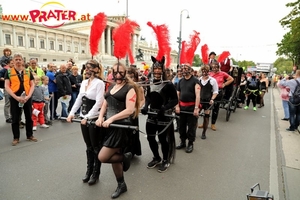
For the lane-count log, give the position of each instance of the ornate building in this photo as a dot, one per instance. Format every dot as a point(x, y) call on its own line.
point(70, 41)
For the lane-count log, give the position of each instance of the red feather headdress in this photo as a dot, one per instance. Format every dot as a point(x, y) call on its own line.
point(122, 39)
point(97, 28)
point(204, 53)
point(183, 53)
point(223, 56)
point(163, 39)
point(191, 48)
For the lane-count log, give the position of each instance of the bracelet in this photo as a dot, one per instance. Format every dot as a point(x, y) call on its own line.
point(196, 107)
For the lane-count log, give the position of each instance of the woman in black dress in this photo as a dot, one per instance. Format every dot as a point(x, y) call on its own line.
point(120, 106)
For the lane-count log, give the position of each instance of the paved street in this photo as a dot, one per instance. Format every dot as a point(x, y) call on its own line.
point(253, 147)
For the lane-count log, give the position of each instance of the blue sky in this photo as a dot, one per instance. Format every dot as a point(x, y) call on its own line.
point(249, 30)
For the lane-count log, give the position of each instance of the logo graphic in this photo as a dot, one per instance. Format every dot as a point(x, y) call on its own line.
point(49, 17)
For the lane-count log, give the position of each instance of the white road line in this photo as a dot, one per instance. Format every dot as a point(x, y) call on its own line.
point(274, 186)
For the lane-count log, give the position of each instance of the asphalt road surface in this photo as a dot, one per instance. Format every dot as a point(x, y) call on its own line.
point(224, 166)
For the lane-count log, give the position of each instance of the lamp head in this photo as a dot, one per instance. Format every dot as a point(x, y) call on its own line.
point(188, 17)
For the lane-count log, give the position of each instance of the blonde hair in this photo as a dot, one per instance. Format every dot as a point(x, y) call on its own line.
point(44, 78)
point(74, 67)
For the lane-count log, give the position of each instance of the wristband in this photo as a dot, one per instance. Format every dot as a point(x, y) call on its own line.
point(196, 107)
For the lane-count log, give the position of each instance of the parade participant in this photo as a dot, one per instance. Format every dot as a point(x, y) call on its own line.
point(242, 86)
point(223, 79)
point(135, 143)
point(252, 91)
point(120, 105)
point(19, 83)
point(226, 66)
point(162, 98)
point(188, 92)
point(264, 83)
point(90, 99)
point(208, 90)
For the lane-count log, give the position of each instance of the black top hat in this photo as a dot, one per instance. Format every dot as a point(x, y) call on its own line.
point(212, 53)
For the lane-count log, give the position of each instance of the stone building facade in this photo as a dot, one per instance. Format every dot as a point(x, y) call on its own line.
point(70, 41)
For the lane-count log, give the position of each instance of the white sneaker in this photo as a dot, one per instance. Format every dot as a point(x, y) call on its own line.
point(34, 128)
point(44, 126)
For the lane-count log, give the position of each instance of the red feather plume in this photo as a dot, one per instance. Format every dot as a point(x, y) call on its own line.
point(183, 52)
point(97, 28)
point(163, 39)
point(223, 56)
point(192, 47)
point(204, 53)
point(122, 39)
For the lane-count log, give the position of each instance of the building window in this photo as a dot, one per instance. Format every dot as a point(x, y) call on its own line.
point(60, 47)
point(7, 39)
point(44, 59)
point(53, 59)
point(31, 42)
point(68, 48)
point(20, 41)
point(82, 51)
point(76, 49)
point(51, 45)
point(42, 43)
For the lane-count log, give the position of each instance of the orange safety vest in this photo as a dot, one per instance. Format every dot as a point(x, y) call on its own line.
point(15, 81)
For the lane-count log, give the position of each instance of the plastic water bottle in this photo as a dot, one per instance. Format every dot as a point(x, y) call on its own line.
point(23, 95)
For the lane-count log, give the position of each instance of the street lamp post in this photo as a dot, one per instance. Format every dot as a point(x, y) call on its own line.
point(179, 38)
point(127, 62)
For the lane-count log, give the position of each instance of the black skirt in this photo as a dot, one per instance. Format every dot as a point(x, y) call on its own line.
point(116, 138)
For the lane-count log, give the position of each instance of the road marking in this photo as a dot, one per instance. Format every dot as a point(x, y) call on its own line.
point(273, 156)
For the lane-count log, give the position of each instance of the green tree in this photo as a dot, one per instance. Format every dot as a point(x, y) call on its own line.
point(283, 65)
point(290, 44)
point(197, 61)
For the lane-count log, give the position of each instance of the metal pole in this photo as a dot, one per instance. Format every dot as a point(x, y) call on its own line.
point(127, 62)
point(179, 39)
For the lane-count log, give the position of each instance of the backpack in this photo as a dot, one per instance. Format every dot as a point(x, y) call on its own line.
point(296, 95)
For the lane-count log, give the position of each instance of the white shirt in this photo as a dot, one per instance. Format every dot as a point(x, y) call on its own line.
point(95, 92)
point(213, 82)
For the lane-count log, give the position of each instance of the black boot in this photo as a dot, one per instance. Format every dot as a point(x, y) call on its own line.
point(120, 189)
point(96, 172)
point(126, 161)
point(181, 145)
point(205, 125)
point(90, 165)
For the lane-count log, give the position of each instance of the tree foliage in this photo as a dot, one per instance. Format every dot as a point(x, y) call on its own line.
point(290, 44)
point(283, 65)
point(197, 61)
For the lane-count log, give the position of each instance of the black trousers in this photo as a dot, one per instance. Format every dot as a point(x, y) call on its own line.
point(252, 97)
point(152, 130)
point(93, 137)
point(15, 111)
point(187, 127)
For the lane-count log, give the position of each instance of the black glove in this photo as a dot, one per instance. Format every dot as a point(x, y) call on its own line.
point(144, 111)
point(161, 113)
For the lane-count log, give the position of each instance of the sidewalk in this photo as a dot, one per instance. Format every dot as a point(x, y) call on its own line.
point(290, 143)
